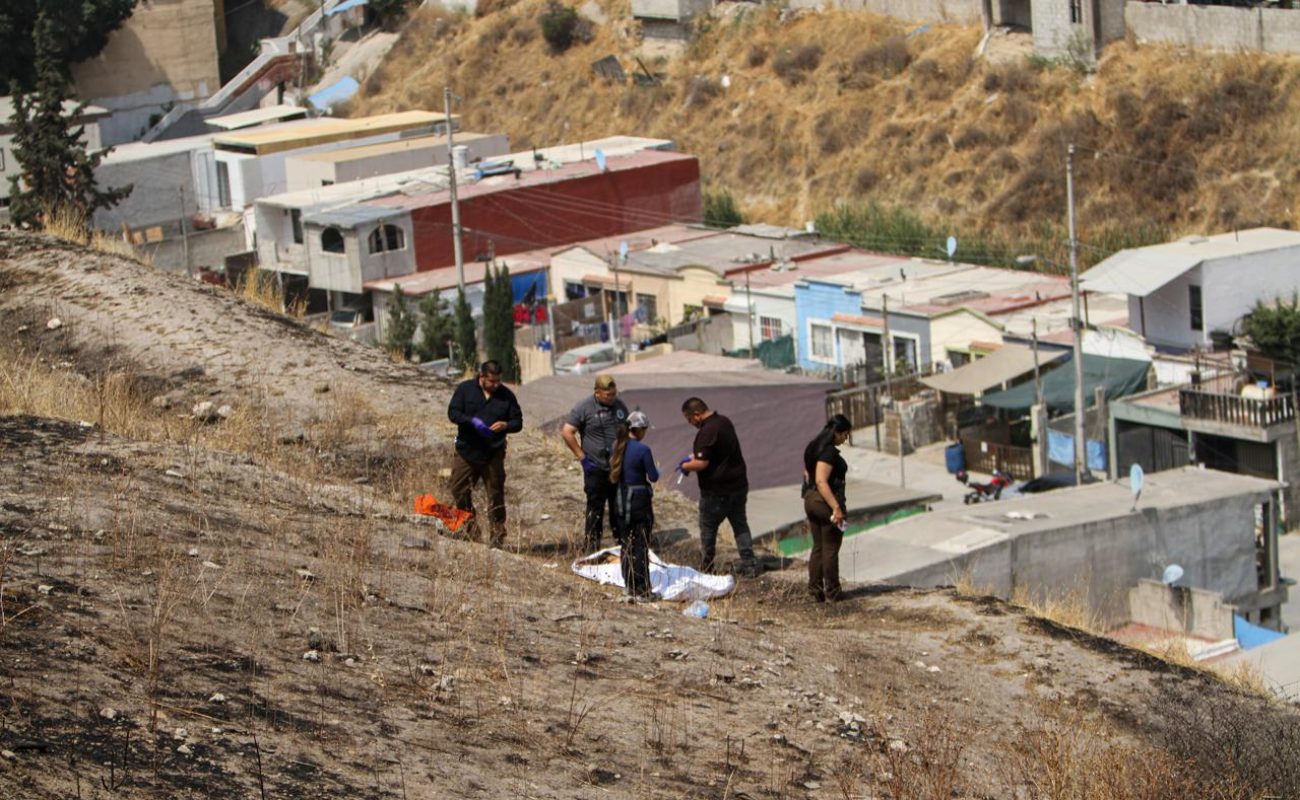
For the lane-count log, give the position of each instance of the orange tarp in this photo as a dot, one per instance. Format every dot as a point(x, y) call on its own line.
point(453, 518)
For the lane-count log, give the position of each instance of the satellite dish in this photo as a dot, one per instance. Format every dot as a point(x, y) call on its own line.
point(1136, 479)
point(1172, 573)
point(726, 81)
point(952, 246)
point(600, 160)
point(622, 251)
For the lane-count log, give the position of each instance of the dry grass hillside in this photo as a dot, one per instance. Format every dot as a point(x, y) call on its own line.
point(826, 107)
point(243, 608)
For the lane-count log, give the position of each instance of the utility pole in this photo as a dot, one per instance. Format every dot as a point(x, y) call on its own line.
point(1038, 378)
point(889, 368)
point(455, 203)
point(185, 232)
point(618, 317)
point(749, 301)
point(1080, 445)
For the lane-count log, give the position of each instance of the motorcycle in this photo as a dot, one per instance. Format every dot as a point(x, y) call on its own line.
point(984, 492)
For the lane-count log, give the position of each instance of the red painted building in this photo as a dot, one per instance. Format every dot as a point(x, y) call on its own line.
point(505, 214)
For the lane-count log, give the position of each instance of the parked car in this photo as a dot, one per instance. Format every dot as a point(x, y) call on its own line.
point(354, 322)
point(585, 359)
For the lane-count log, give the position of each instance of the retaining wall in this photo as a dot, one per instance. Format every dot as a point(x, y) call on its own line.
point(1268, 30)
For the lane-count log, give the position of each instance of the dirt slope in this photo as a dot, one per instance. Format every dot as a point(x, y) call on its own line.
point(832, 106)
point(244, 609)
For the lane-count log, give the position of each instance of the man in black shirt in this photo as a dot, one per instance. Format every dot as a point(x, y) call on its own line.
point(724, 484)
point(485, 412)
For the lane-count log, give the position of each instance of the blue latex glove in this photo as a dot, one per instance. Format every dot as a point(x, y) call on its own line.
point(682, 464)
point(589, 465)
point(484, 429)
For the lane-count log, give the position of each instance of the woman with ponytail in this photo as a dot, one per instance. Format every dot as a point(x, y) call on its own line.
point(824, 472)
point(632, 470)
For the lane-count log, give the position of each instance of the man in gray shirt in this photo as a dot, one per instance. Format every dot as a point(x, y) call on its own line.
point(596, 420)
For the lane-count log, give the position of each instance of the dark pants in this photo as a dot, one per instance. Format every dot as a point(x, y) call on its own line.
point(464, 474)
point(636, 516)
point(601, 494)
point(714, 508)
point(824, 561)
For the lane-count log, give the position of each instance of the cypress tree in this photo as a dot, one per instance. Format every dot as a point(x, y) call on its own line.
point(55, 173)
point(466, 341)
point(401, 326)
point(436, 327)
point(493, 340)
point(508, 356)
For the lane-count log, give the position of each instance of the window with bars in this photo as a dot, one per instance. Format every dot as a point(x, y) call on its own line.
point(1076, 12)
point(386, 238)
point(823, 344)
point(650, 303)
point(1197, 310)
point(771, 327)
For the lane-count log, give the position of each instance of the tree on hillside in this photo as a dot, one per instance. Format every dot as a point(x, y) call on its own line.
point(466, 340)
point(1274, 328)
point(721, 211)
point(499, 322)
point(436, 328)
point(562, 26)
point(55, 173)
point(400, 327)
point(389, 12)
point(82, 28)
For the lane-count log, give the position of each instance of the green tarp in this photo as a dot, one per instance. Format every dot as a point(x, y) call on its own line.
point(1120, 376)
point(774, 353)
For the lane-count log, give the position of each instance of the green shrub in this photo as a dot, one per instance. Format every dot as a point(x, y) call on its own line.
point(721, 211)
point(562, 27)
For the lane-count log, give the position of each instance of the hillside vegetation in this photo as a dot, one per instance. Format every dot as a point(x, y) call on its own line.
point(833, 107)
point(240, 606)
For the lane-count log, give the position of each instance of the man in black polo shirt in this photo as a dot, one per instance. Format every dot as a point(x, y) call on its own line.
point(596, 420)
point(485, 412)
point(724, 485)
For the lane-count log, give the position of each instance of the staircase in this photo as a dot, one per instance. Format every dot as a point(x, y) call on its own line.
point(277, 62)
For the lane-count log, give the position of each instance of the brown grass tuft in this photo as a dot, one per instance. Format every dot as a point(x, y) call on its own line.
point(792, 65)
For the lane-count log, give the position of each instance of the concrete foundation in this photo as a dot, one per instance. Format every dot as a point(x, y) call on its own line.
point(1089, 542)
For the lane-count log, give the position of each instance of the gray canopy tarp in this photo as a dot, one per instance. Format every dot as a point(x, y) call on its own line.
point(1008, 362)
point(1120, 376)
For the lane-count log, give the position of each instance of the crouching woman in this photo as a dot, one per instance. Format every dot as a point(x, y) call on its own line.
point(632, 470)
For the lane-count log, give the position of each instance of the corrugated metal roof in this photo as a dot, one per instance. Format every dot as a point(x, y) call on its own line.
point(350, 216)
point(1141, 271)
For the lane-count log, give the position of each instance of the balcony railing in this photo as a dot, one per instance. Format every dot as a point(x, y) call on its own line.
point(1233, 409)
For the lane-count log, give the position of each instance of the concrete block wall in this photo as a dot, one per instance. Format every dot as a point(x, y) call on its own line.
point(1215, 27)
point(1177, 608)
point(1052, 27)
point(1288, 454)
point(919, 417)
point(1213, 541)
point(961, 12)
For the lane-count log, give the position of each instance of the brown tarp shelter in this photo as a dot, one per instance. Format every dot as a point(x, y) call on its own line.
point(1007, 363)
point(775, 416)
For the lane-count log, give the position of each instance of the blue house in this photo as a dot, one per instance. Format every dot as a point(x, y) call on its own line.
point(835, 331)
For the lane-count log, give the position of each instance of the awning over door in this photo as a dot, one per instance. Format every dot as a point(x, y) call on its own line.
point(1008, 362)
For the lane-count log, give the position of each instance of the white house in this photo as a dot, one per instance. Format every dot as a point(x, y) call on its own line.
point(1181, 293)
